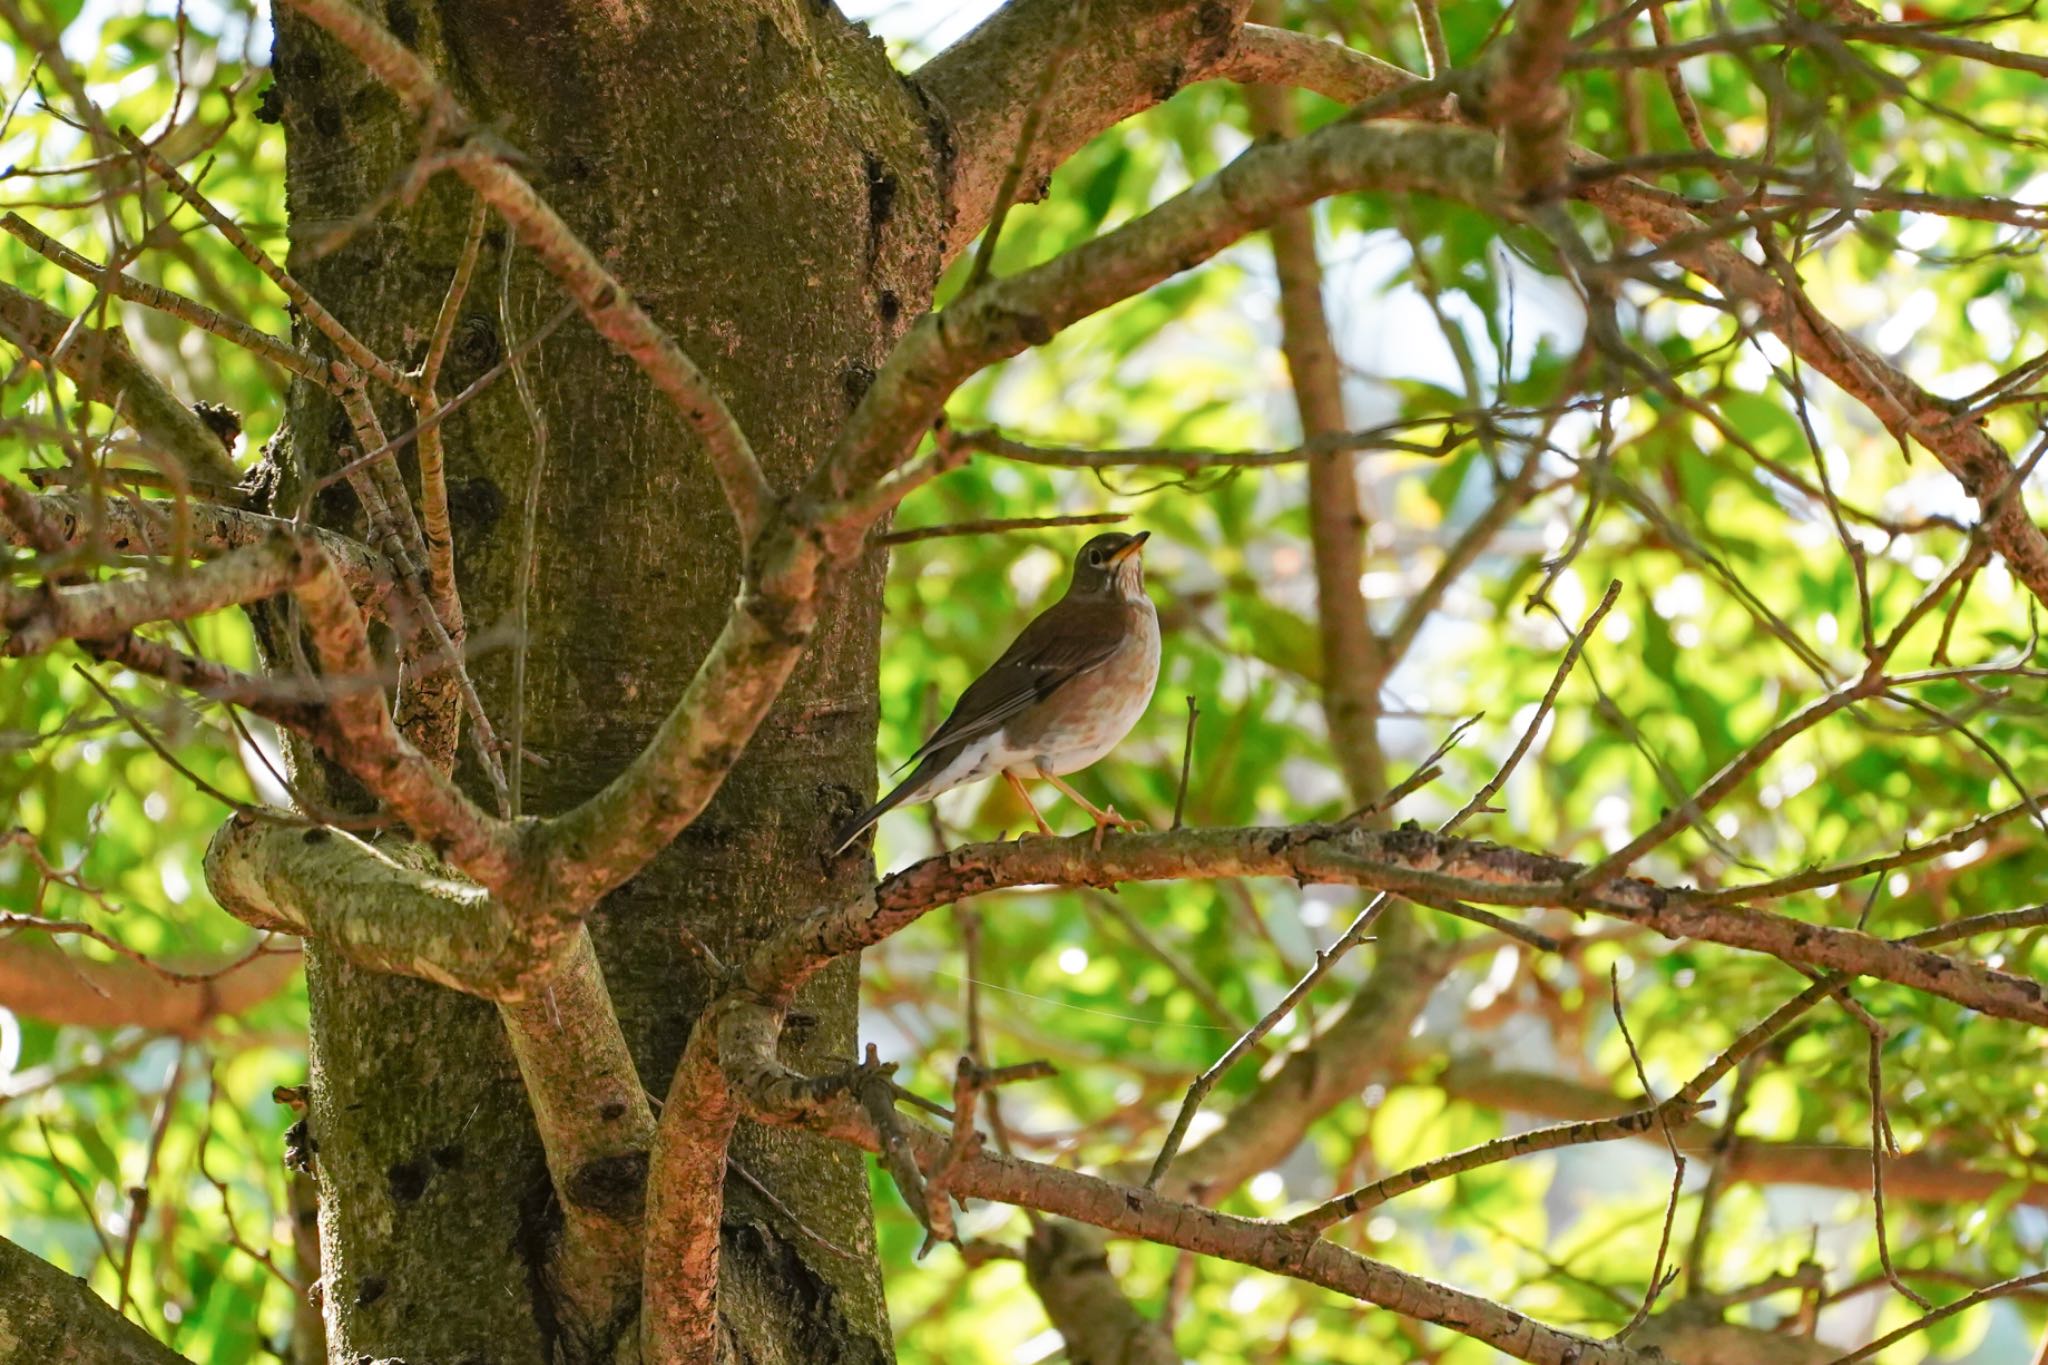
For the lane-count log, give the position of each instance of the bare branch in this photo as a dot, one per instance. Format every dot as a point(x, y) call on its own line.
point(685, 1197)
point(1947, 1310)
point(309, 307)
point(774, 1095)
point(1916, 1175)
point(1963, 447)
point(1393, 861)
point(1067, 1265)
point(43, 981)
point(996, 526)
point(38, 617)
point(258, 343)
point(129, 526)
point(1354, 658)
point(1380, 438)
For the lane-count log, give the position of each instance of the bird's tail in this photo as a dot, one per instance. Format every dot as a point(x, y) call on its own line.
point(907, 790)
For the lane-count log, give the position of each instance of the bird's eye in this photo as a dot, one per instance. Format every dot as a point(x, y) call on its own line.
point(1095, 558)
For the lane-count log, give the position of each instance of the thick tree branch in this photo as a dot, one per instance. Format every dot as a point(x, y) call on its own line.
point(357, 732)
point(37, 618)
point(106, 371)
point(1915, 1175)
point(1029, 308)
point(39, 979)
point(1401, 862)
point(49, 1316)
point(685, 1198)
point(596, 1128)
point(1353, 657)
point(1525, 100)
point(1067, 1265)
point(396, 916)
point(1137, 53)
point(131, 526)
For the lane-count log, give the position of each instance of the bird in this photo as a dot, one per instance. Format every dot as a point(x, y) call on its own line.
point(1065, 693)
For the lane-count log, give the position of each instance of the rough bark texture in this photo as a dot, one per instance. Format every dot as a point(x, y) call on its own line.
point(52, 1318)
point(768, 188)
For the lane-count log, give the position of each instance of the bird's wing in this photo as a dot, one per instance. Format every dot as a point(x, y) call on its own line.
point(1067, 640)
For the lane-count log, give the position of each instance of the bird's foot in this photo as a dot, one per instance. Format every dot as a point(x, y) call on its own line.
point(1107, 819)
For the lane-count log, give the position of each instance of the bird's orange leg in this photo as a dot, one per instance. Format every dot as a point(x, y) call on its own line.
point(1103, 818)
point(1017, 786)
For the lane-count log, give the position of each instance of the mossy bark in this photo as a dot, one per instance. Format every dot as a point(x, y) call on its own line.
point(768, 187)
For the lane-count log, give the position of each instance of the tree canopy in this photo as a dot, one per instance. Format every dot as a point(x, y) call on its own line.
point(1683, 364)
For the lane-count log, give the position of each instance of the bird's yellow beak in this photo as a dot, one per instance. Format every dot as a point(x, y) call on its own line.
point(1137, 543)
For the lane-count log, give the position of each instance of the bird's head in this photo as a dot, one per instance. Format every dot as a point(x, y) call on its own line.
point(1111, 565)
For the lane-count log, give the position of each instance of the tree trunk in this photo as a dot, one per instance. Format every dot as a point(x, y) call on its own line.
point(767, 186)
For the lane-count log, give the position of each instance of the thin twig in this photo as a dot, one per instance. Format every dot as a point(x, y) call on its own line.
point(302, 299)
point(138, 1193)
point(993, 526)
point(1325, 959)
point(1658, 1279)
point(1947, 1310)
point(1187, 763)
point(1564, 668)
point(434, 524)
point(258, 343)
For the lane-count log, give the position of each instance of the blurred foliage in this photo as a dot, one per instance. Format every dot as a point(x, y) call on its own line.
point(1435, 309)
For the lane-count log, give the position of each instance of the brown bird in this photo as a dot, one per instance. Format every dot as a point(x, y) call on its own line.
point(1063, 695)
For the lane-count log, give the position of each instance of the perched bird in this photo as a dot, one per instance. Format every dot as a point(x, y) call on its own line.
point(1069, 688)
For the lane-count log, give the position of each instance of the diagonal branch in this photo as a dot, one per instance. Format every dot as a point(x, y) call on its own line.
point(1029, 308)
point(46, 1314)
point(1068, 1267)
point(1351, 1052)
point(357, 732)
point(1916, 1175)
point(773, 1094)
point(302, 300)
point(123, 286)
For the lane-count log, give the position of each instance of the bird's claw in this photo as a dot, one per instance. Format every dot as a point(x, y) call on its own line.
point(1110, 819)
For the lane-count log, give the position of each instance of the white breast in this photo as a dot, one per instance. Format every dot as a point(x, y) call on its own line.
point(1131, 673)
